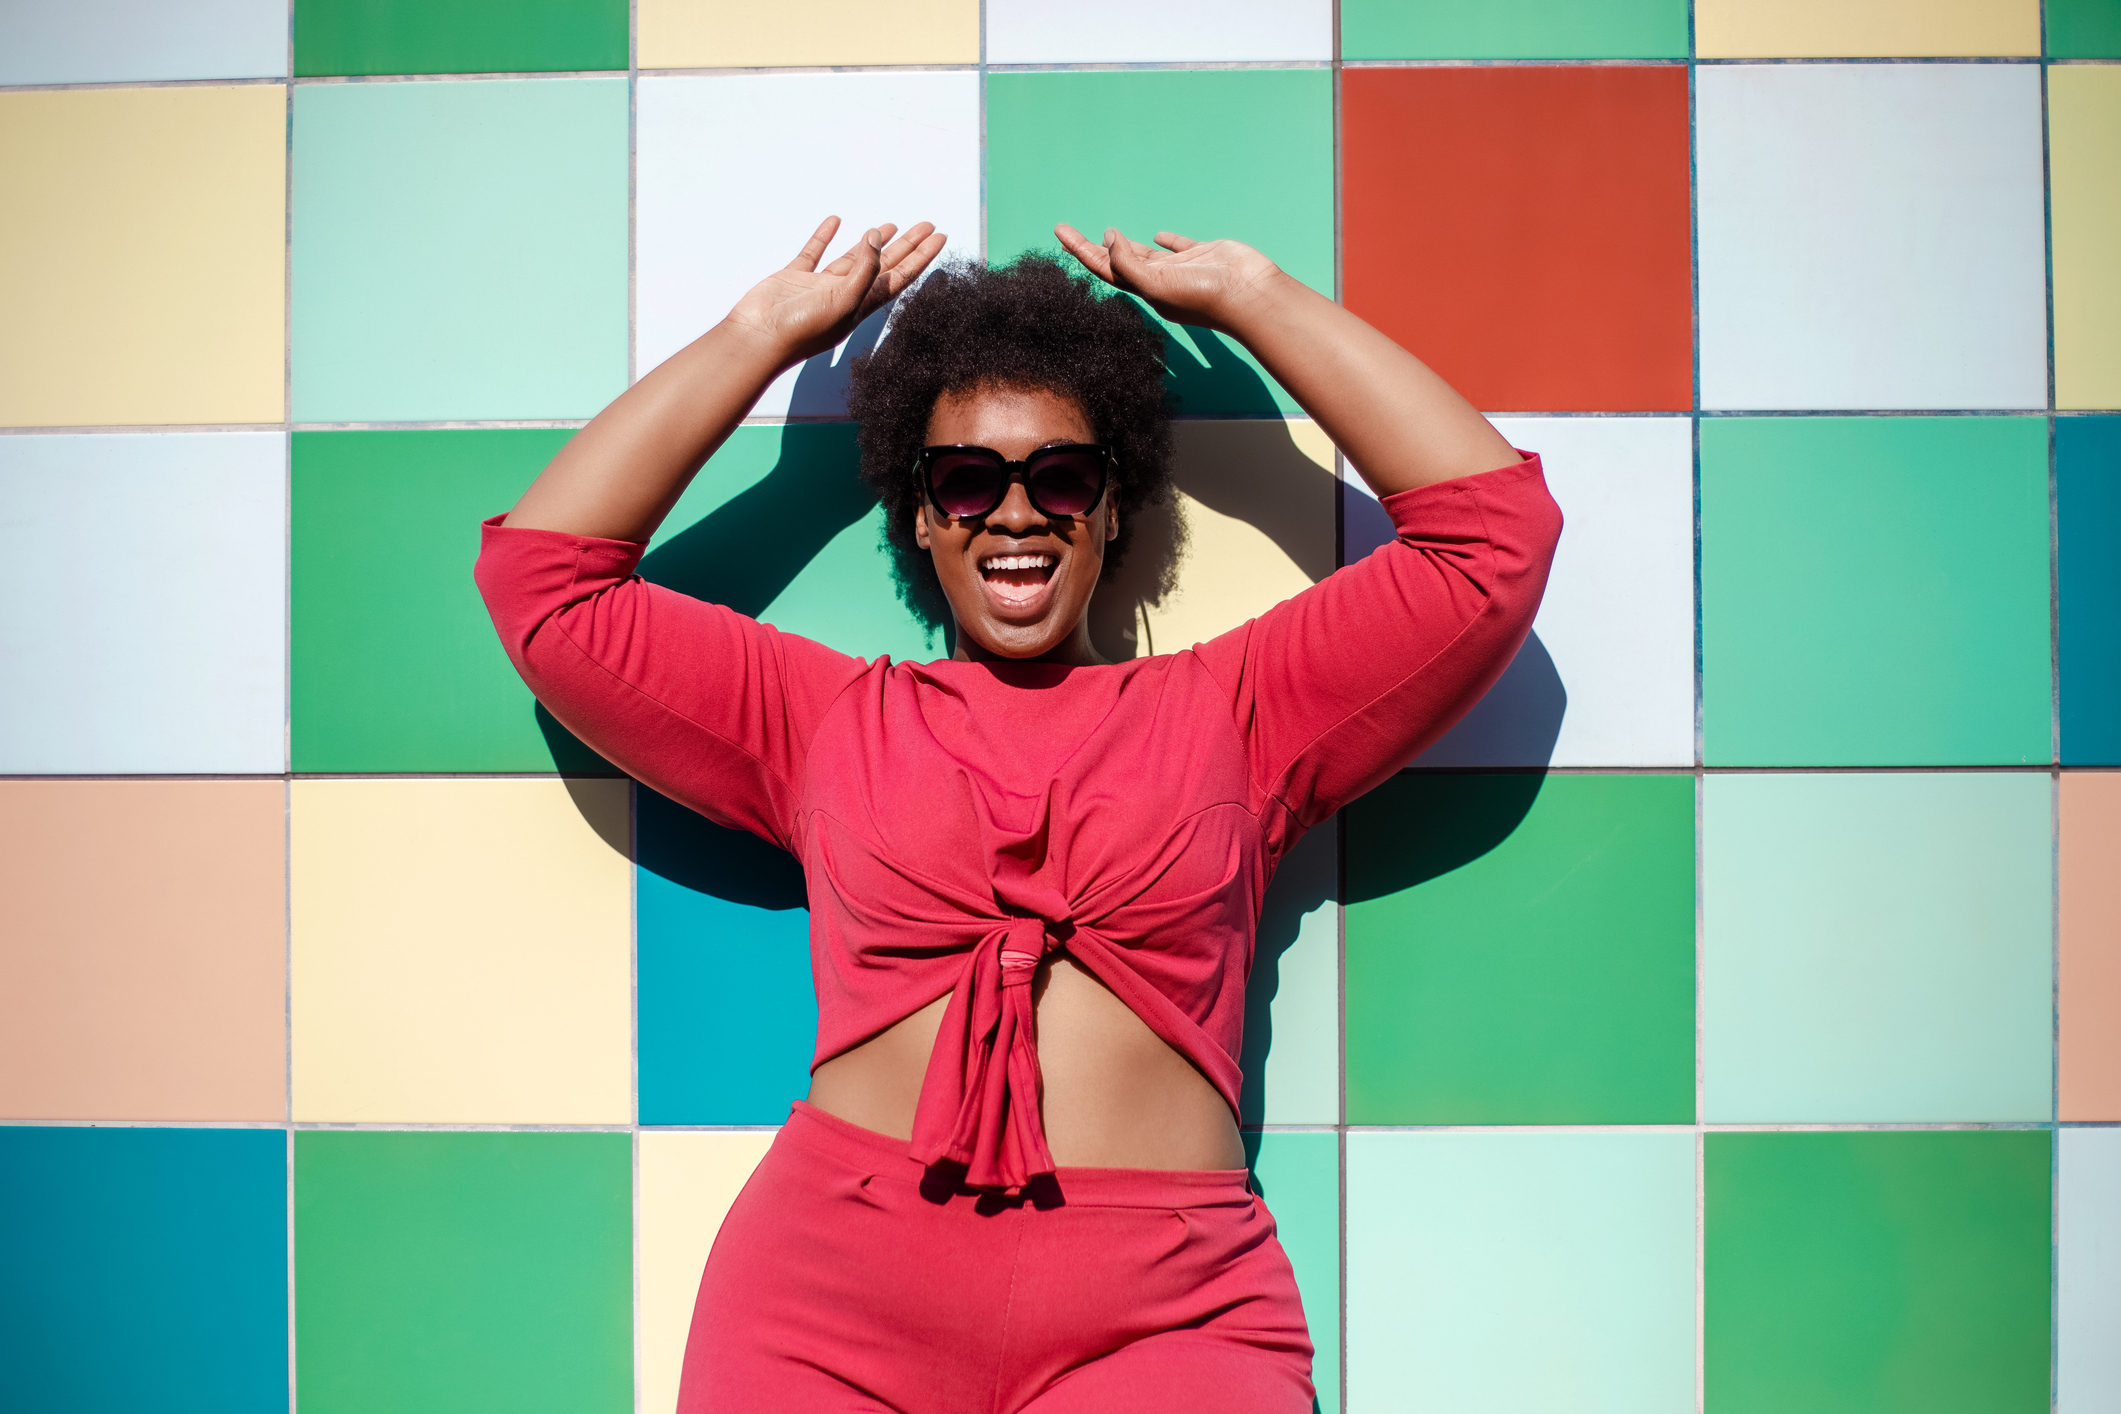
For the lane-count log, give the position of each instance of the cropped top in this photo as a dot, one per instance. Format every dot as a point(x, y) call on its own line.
point(957, 821)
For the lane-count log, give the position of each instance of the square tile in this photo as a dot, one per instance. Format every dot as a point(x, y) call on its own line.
point(1160, 31)
point(116, 41)
point(146, 1269)
point(2088, 1256)
point(1557, 198)
point(461, 951)
point(781, 140)
point(1292, 1002)
point(194, 524)
point(1878, 1273)
point(1871, 236)
point(1245, 153)
point(2088, 584)
point(162, 999)
point(441, 1272)
point(1877, 948)
point(1514, 29)
point(395, 666)
point(1820, 29)
point(2089, 905)
point(1874, 592)
point(708, 34)
point(460, 250)
point(1520, 950)
point(1607, 676)
point(458, 36)
point(687, 1183)
point(2084, 155)
point(2084, 29)
point(142, 273)
point(1521, 1273)
point(1298, 1174)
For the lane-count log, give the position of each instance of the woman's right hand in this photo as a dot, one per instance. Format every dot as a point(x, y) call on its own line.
point(803, 311)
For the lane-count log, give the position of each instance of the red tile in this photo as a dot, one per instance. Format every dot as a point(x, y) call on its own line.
point(1524, 229)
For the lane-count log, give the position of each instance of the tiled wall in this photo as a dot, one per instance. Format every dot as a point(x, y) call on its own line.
point(1723, 1015)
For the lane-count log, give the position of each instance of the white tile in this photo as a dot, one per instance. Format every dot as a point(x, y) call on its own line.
point(1117, 32)
point(146, 587)
point(2088, 1290)
point(1292, 1007)
point(1607, 677)
point(687, 1184)
point(1871, 236)
point(736, 171)
point(117, 41)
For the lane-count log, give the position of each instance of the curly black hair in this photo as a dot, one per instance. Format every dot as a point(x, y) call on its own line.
point(1031, 323)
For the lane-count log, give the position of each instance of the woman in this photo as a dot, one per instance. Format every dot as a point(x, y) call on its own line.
point(1034, 876)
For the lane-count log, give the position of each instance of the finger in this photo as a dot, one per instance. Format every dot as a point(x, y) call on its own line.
point(1130, 260)
point(814, 249)
point(1172, 240)
point(1093, 256)
point(863, 253)
point(899, 249)
point(908, 267)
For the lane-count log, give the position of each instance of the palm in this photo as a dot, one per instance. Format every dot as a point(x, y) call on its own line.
point(808, 310)
point(1187, 281)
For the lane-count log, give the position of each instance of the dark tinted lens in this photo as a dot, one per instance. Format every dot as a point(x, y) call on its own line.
point(964, 484)
point(1065, 481)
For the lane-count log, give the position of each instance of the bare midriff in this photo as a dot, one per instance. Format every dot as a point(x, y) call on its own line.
point(1116, 1094)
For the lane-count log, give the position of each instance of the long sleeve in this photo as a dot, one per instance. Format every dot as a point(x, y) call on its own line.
point(1337, 688)
point(707, 706)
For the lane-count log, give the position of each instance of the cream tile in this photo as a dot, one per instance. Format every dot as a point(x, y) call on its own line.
point(713, 34)
point(2084, 166)
point(687, 1182)
point(1838, 29)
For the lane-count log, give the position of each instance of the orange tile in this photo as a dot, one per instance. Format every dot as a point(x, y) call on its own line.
point(2091, 945)
point(143, 968)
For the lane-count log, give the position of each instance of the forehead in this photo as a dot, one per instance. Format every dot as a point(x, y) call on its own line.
point(1010, 420)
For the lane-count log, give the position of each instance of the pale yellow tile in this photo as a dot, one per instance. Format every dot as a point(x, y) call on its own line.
point(143, 258)
point(1858, 29)
point(2084, 156)
point(715, 34)
point(462, 951)
point(687, 1182)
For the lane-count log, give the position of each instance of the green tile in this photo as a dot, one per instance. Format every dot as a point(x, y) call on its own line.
point(2084, 29)
point(1874, 591)
point(442, 1272)
point(1513, 29)
point(459, 250)
point(1243, 153)
point(1298, 1174)
point(1880, 1273)
point(1520, 950)
point(458, 36)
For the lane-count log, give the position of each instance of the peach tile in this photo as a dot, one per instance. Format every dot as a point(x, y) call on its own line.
point(688, 1179)
point(143, 965)
point(2091, 945)
point(1837, 29)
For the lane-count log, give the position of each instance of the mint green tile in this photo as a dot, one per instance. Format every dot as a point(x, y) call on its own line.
point(442, 1272)
point(1877, 947)
point(2084, 29)
point(1520, 950)
point(1242, 153)
point(1874, 591)
point(1513, 29)
point(1880, 1273)
point(458, 36)
point(1298, 1174)
point(459, 250)
point(1504, 1273)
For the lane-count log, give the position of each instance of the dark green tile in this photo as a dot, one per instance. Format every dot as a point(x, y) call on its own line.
point(2084, 29)
point(442, 1272)
point(1520, 950)
point(1513, 29)
point(458, 36)
point(1879, 1273)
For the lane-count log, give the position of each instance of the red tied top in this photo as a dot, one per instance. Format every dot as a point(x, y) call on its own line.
point(957, 821)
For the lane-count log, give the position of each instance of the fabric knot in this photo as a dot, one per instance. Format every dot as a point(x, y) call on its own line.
point(1024, 944)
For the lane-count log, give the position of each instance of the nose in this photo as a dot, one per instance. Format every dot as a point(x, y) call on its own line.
point(1015, 515)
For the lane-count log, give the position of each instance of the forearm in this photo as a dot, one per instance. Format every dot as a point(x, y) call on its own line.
point(1397, 422)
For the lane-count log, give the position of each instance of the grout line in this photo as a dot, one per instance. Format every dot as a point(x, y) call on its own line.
point(306, 1126)
point(1340, 826)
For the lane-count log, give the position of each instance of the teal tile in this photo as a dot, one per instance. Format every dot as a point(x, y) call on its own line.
point(1874, 591)
point(2088, 587)
point(1298, 1174)
point(1877, 948)
point(1521, 1273)
point(458, 36)
point(459, 250)
point(1513, 29)
point(1242, 153)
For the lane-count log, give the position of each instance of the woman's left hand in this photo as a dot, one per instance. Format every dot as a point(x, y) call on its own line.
point(1206, 283)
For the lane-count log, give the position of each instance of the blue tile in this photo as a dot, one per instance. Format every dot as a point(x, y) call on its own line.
point(2088, 515)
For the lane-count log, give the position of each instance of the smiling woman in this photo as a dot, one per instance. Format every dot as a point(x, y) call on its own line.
point(1035, 876)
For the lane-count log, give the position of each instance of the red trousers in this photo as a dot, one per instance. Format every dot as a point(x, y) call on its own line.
point(846, 1278)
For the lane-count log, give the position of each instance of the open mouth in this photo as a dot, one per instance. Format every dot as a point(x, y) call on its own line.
point(1018, 581)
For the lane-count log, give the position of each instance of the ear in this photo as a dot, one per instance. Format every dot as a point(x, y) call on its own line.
point(920, 526)
point(1112, 518)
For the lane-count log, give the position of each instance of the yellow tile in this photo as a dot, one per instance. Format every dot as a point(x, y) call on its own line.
point(687, 1182)
point(1856, 29)
point(462, 951)
point(143, 258)
point(714, 34)
point(2084, 156)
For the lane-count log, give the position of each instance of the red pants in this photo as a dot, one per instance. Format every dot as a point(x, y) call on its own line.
point(847, 1279)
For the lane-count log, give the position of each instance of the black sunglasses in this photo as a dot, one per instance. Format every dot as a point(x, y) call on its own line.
point(969, 482)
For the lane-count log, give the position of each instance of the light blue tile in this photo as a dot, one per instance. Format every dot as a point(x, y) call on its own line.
point(120, 41)
point(1151, 31)
point(1292, 1005)
point(2088, 1294)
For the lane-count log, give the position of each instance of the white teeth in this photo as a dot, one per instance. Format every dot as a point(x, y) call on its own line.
point(1018, 562)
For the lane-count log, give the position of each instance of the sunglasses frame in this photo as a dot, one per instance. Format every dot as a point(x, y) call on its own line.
point(1013, 472)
